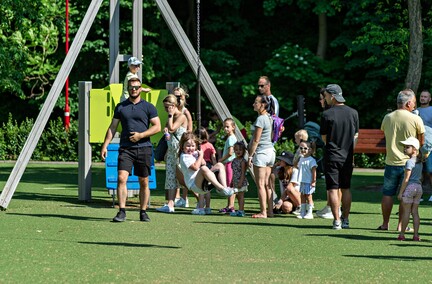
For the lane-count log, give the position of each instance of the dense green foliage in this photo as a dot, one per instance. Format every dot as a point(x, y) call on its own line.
point(366, 52)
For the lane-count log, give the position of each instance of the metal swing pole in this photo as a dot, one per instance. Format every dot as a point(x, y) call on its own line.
point(199, 68)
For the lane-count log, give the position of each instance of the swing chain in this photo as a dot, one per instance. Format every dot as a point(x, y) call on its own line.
point(198, 33)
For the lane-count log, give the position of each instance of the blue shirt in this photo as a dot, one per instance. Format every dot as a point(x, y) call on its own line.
point(134, 118)
point(426, 115)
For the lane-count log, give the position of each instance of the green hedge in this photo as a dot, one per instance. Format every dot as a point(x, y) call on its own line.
point(55, 144)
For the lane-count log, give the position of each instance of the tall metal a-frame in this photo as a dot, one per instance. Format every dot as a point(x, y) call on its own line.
point(181, 38)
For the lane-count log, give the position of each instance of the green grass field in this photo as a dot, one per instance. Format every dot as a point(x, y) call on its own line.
point(48, 236)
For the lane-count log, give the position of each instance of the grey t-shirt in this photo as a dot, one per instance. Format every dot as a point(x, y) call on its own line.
point(265, 122)
point(416, 170)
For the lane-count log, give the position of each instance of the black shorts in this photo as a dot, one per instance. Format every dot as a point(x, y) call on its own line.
point(139, 158)
point(338, 175)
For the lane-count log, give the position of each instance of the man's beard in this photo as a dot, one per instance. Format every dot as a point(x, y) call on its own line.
point(134, 97)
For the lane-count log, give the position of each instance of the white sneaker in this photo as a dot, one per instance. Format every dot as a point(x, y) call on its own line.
point(297, 211)
point(345, 223)
point(198, 211)
point(337, 225)
point(180, 202)
point(165, 209)
point(309, 214)
point(207, 211)
point(227, 191)
point(326, 213)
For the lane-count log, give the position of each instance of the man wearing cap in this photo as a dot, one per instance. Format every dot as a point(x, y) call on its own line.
point(339, 131)
point(134, 65)
point(398, 126)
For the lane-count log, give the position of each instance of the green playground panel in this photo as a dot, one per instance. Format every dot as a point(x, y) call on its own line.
point(102, 105)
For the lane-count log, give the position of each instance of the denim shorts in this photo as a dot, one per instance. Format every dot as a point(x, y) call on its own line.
point(427, 166)
point(393, 176)
point(266, 158)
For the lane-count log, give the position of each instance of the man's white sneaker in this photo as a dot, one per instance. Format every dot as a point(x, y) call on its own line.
point(337, 225)
point(198, 211)
point(326, 213)
point(345, 223)
point(165, 209)
point(207, 210)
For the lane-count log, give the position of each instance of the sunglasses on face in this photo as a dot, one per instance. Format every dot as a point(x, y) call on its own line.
point(261, 86)
point(130, 88)
point(303, 148)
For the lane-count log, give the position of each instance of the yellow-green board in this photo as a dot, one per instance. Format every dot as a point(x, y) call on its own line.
point(102, 105)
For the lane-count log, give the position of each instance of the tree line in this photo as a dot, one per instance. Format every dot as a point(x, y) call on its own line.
point(371, 48)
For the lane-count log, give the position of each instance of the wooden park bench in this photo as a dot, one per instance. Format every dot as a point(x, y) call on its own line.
point(370, 141)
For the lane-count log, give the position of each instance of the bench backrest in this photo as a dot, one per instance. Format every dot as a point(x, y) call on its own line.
point(370, 141)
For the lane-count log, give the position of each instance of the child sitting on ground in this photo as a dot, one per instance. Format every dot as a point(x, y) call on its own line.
point(411, 189)
point(290, 194)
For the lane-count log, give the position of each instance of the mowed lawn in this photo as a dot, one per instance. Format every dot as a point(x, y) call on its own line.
point(47, 235)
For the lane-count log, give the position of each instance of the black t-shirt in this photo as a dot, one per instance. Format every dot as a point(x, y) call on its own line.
point(339, 123)
point(134, 118)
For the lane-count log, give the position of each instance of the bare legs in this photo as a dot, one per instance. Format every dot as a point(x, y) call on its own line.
point(144, 192)
point(265, 193)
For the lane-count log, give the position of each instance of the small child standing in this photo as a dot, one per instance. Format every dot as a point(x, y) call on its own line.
point(239, 180)
point(228, 156)
point(307, 177)
point(134, 65)
point(411, 188)
point(299, 136)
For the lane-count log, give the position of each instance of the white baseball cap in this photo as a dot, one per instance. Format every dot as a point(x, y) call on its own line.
point(134, 61)
point(412, 141)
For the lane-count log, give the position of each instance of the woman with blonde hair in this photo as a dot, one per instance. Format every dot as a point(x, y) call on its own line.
point(173, 131)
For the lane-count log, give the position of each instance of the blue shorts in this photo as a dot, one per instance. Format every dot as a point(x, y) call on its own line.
point(306, 188)
point(427, 166)
point(393, 176)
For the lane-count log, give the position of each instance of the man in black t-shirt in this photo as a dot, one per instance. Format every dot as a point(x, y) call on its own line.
point(139, 121)
point(339, 131)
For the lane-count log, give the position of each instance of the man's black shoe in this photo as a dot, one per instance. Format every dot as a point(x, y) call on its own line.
point(144, 217)
point(120, 217)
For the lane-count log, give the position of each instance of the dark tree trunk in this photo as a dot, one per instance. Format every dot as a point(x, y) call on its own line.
point(413, 77)
point(322, 36)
